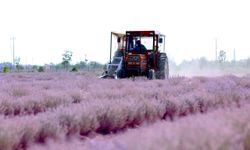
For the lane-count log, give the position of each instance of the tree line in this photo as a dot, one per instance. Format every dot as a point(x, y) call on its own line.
point(65, 65)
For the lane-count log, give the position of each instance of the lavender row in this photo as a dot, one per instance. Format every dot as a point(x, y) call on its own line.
point(227, 128)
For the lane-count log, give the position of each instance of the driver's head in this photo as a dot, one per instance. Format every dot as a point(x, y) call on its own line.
point(138, 42)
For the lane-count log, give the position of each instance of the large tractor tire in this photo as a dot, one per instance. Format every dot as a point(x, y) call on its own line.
point(167, 68)
point(120, 74)
point(160, 72)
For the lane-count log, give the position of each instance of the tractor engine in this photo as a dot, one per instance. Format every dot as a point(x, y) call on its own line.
point(136, 64)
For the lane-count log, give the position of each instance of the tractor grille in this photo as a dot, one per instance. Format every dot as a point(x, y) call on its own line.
point(133, 58)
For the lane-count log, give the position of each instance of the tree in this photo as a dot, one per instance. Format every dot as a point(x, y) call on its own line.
point(67, 57)
point(6, 69)
point(17, 64)
point(222, 56)
point(40, 69)
point(95, 65)
point(34, 68)
point(80, 65)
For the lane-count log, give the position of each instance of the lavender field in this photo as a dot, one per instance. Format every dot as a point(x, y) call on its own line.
point(79, 111)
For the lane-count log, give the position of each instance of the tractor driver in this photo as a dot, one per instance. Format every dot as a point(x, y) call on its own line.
point(139, 46)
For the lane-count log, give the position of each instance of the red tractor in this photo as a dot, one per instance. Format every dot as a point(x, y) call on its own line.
point(139, 53)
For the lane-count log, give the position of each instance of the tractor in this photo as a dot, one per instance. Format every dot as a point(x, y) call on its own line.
point(138, 53)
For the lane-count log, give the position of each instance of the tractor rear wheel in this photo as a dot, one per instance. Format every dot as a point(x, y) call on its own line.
point(167, 68)
point(162, 61)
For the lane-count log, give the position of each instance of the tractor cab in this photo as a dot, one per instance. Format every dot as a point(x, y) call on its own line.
point(139, 53)
point(144, 41)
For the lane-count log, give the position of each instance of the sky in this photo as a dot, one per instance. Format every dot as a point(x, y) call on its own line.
point(44, 29)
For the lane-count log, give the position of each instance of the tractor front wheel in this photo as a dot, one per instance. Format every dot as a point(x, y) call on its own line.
point(151, 74)
point(120, 74)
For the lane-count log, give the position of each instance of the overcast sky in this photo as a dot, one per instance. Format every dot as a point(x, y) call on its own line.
point(45, 28)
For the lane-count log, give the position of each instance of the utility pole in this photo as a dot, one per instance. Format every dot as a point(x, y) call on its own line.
point(13, 50)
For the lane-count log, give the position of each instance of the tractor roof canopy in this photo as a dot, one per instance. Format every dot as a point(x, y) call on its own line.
point(142, 33)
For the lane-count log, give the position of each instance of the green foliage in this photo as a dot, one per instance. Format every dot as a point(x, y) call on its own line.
point(95, 65)
point(81, 65)
point(34, 68)
point(67, 57)
point(17, 64)
point(6, 69)
point(74, 69)
point(222, 56)
point(40, 69)
point(19, 67)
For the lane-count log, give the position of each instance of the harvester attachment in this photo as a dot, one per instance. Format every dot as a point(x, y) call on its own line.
point(113, 68)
